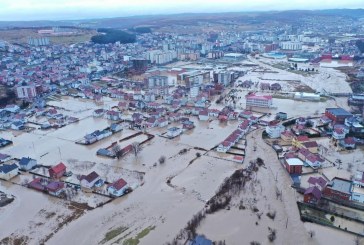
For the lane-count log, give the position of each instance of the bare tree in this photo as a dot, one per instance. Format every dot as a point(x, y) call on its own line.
point(136, 148)
point(116, 149)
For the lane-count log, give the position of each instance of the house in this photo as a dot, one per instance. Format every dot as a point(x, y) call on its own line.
point(37, 184)
point(98, 113)
point(117, 188)
point(281, 116)
point(8, 171)
point(26, 163)
point(57, 171)
point(187, 124)
point(287, 136)
point(116, 127)
point(162, 122)
point(338, 134)
point(312, 195)
point(17, 125)
point(357, 191)
point(203, 115)
point(274, 130)
point(4, 157)
point(224, 146)
point(319, 182)
point(113, 115)
point(213, 112)
point(347, 143)
point(338, 188)
point(293, 165)
point(303, 153)
point(301, 121)
point(312, 146)
point(151, 122)
point(88, 181)
point(315, 161)
point(325, 120)
point(174, 132)
point(337, 115)
point(55, 188)
point(299, 140)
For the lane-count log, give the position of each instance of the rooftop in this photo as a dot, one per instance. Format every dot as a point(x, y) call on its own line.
point(341, 185)
point(338, 112)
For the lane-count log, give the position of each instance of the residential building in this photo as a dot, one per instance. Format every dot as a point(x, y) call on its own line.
point(338, 188)
point(89, 181)
point(337, 115)
point(57, 171)
point(27, 163)
point(117, 188)
point(8, 171)
point(293, 165)
point(174, 132)
point(253, 100)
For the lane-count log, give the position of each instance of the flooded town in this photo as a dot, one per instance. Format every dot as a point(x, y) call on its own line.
point(211, 129)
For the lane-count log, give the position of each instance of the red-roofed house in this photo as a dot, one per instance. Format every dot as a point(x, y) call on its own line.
point(88, 181)
point(348, 143)
point(55, 188)
point(117, 188)
point(57, 171)
point(312, 195)
point(338, 134)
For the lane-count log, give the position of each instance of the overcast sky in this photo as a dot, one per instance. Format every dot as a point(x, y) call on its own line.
point(81, 9)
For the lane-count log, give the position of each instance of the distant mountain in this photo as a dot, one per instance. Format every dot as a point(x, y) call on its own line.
point(155, 20)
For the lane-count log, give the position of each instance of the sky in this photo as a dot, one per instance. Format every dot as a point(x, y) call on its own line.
point(14, 10)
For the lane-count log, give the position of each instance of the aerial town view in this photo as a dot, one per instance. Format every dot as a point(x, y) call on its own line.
point(161, 123)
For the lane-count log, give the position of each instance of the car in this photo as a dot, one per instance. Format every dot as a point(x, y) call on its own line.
point(68, 174)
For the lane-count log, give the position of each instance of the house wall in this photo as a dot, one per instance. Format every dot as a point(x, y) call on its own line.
point(10, 175)
point(336, 194)
point(358, 197)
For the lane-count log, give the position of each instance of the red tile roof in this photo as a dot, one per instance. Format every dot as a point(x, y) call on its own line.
point(120, 183)
point(58, 168)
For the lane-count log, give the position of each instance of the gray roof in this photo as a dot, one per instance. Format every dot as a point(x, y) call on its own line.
point(340, 185)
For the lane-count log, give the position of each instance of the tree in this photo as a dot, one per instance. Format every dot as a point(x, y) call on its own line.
point(311, 233)
point(136, 148)
point(116, 149)
point(162, 159)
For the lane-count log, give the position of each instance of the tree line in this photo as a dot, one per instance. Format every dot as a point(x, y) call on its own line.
point(113, 36)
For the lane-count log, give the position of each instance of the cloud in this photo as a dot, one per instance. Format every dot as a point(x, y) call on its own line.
point(78, 9)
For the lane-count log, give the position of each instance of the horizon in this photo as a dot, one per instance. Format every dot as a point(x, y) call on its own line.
point(66, 10)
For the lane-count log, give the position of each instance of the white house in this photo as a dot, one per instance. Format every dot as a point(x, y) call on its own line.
point(26, 163)
point(203, 115)
point(89, 180)
point(357, 194)
point(224, 146)
point(117, 188)
point(314, 161)
point(8, 171)
point(274, 131)
point(4, 157)
point(162, 122)
point(338, 134)
point(174, 132)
